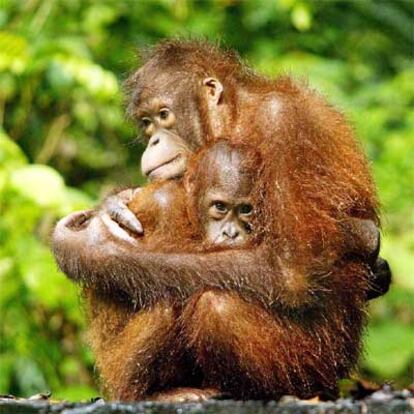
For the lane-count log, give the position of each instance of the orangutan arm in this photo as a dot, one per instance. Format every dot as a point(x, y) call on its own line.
point(92, 258)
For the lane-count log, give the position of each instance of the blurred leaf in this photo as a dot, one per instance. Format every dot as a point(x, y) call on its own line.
point(389, 348)
point(7, 86)
point(99, 15)
point(301, 17)
point(65, 71)
point(11, 156)
point(400, 253)
point(75, 393)
point(75, 200)
point(13, 52)
point(39, 183)
point(41, 276)
point(6, 368)
point(30, 377)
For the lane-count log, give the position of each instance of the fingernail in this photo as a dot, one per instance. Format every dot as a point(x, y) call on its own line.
point(137, 227)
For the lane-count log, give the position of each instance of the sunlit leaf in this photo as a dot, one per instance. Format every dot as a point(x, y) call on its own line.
point(13, 52)
point(66, 70)
point(10, 153)
point(46, 284)
point(39, 183)
point(76, 393)
point(301, 17)
point(400, 253)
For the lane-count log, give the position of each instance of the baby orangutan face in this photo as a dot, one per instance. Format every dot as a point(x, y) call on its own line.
point(227, 208)
point(228, 218)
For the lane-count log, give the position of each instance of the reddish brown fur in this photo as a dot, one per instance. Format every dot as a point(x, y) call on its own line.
point(287, 316)
point(315, 174)
point(157, 357)
point(129, 344)
point(137, 352)
point(164, 225)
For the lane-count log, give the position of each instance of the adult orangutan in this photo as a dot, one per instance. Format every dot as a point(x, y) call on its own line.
point(286, 316)
point(179, 104)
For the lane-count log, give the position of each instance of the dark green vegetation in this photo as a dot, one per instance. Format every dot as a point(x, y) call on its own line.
point(64, 142)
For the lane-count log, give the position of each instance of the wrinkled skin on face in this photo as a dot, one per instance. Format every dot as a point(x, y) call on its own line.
point(228, 219)
point(166, 152)
point(226, 208)
point(160, 111)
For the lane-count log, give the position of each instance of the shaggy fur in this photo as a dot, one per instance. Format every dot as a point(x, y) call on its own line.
point(152, 338)
point(283, 317)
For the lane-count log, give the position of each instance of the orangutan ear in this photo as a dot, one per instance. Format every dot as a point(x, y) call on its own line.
point(214, 89)
point(188, 182)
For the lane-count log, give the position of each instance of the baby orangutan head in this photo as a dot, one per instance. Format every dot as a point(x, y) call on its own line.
point(223, 194)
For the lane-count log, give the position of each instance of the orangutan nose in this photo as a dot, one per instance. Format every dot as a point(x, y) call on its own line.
point(231, 231)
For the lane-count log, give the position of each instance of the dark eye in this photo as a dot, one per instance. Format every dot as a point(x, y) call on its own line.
point(245, 209)
point(248, 227)
point(145, 122)
point(220, 207)
point(164, 113)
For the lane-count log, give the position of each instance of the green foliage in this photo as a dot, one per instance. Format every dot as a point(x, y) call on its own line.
point(62, 63)
point(40, 314)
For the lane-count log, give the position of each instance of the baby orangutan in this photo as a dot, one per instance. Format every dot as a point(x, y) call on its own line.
point(214, 202)
point(142, 353)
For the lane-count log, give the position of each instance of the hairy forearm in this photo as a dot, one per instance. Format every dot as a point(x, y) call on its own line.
point(90, 255)
point(148, 277)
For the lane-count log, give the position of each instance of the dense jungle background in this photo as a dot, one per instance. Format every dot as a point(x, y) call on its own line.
point(65, 142)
